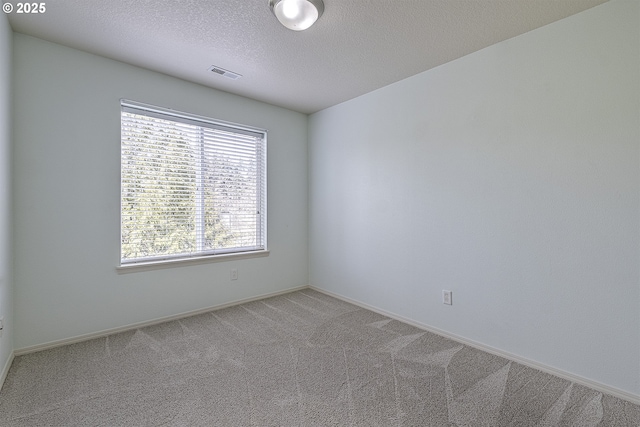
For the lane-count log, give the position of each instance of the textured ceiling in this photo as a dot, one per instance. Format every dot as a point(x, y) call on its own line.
point(357, 45)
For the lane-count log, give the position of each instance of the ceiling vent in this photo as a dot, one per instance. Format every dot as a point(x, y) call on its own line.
point(226, 73)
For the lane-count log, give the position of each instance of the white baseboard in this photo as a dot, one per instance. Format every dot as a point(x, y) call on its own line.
point(5, 369)
point(105, 332)
point(603, 388)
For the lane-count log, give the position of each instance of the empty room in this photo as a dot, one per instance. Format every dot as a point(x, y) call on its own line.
point(320, 212)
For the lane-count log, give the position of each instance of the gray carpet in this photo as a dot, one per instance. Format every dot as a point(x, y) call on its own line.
point(300, 359)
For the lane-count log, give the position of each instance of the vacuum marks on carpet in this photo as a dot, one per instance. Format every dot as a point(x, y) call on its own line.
point(300, 359)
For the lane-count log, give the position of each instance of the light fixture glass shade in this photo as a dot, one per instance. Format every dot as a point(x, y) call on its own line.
point(297, 15)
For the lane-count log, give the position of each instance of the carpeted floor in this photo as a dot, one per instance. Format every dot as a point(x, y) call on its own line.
point(299, 359)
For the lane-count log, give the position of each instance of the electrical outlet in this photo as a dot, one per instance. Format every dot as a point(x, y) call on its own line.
point(234, 274)
point(447, 297)
point(1, 325)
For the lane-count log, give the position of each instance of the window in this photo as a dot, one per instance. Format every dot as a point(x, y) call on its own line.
point(190, 186)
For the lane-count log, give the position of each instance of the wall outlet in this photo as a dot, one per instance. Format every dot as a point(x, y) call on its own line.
point(234, 274)
point(447, 297)
point(1, 325)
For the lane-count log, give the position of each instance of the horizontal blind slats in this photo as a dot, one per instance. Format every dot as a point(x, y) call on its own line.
point(187, 189)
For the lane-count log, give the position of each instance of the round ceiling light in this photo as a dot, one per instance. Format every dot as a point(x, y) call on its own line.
point(297, 15)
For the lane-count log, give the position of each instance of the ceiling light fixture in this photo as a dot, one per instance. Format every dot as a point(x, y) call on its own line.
point(297, 15)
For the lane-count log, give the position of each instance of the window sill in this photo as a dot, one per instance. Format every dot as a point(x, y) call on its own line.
point(154, 265)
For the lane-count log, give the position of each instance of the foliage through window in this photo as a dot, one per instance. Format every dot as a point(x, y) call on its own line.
point(190, 186)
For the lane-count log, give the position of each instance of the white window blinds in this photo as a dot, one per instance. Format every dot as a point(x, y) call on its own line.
point(190, 186)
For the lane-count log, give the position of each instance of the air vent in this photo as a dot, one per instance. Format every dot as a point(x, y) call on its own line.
point(226, 73)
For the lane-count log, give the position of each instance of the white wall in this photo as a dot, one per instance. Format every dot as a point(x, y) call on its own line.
point(67, 183)
point(6, 280)
point(509, 176)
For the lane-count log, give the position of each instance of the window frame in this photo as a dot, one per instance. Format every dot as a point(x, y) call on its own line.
point(153, 111)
